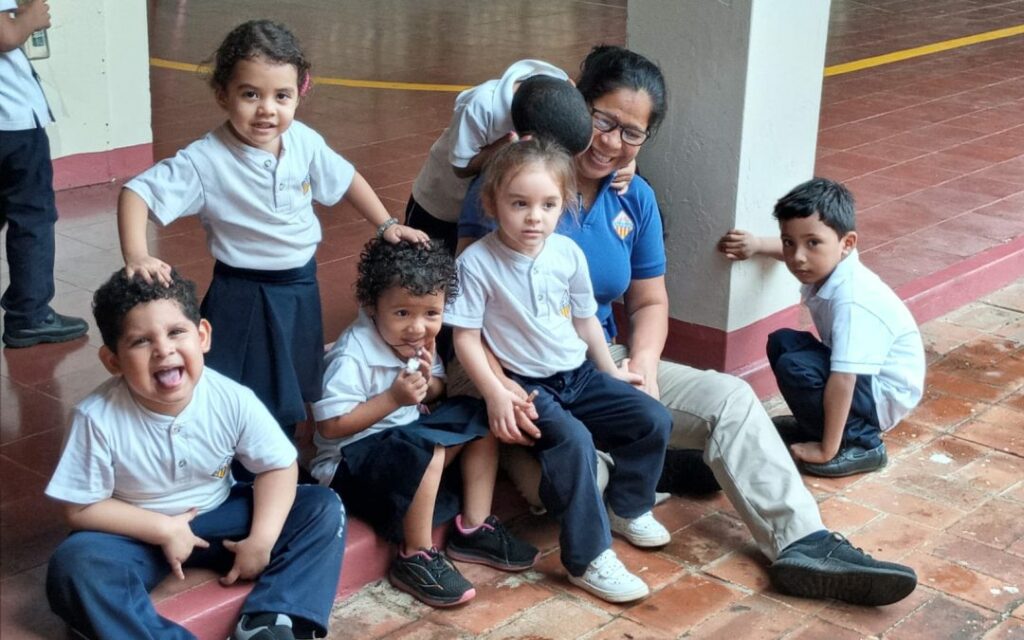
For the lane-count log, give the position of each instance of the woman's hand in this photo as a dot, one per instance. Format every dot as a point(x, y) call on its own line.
point(649, 375)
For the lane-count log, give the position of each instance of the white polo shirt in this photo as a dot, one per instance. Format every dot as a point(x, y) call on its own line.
point(168, 464)
point(22, 102)
point(483, 114)
point(524, 305)
point(257, 209)
point(870, 332)
point(359, 366)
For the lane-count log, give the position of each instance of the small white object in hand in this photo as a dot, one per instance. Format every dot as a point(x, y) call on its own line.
point(412, 365)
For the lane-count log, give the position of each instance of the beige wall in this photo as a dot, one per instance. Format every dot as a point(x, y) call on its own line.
point(97, 76)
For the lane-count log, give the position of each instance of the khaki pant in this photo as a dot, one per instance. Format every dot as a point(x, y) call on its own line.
point(721, 415)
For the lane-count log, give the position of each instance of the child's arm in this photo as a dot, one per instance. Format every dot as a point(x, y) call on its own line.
point(623, 177)
point(407, 389)
point(476, 165)
point(738, 244)
point(273, 496)
point(171, 533)
point(590, 331)
point(361, 195)
point(14, 31)
point(501, 402)
point(132, 213)
point(838, 398)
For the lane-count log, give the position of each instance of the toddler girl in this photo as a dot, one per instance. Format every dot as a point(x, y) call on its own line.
point(528, 293)
point(252, 181)
point(383, 454)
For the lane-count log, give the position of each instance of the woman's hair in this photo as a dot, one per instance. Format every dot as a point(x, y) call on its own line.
point(609, 68)
point(419, 269)
point(508, 161)
point(120, 294)
point(265, 39)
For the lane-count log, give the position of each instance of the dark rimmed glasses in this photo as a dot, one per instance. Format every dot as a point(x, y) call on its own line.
point(606, 122)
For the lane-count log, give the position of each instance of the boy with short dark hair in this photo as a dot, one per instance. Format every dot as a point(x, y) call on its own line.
point(867, 371)
point(145, 478)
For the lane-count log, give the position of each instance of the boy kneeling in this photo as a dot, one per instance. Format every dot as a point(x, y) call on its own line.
point(146, 479)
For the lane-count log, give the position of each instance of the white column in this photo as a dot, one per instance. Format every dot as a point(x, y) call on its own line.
point(744, 81)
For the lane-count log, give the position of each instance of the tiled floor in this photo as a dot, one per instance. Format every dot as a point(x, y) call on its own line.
point(933, 148)
point(950, 504)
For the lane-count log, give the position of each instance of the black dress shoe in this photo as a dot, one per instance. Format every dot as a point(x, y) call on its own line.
point(849, 461)
point(55, 328)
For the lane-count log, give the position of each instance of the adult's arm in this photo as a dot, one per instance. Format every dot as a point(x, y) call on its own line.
point(647, 310)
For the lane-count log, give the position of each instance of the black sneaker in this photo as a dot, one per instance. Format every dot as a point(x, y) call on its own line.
point(55, 328)
point(849, 461)
point(790, 430)
point(833, 568)
point(431, 578)
point(263, 626)
point(491, 544)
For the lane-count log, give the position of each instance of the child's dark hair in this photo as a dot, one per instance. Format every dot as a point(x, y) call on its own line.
point(608, 68)
point(258, 39)
point(831, 201)
point(417, 268)
point(120, 294)
point(554, 109)
point(508, 161)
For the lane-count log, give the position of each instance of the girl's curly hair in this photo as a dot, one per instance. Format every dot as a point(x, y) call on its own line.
point(254, 39)
point(416, 268)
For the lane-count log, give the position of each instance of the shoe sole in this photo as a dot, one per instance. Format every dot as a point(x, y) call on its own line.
point(424, 598)
point(870, 588)
point(610, 596)
point(21, 343)
point(467, 556)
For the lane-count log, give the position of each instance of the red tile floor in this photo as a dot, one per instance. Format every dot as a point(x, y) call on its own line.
point(933, 147)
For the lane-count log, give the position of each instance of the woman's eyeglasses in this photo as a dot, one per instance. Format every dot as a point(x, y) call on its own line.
point(605, 123)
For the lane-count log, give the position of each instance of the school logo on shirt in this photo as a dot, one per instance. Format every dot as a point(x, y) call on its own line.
point(564, 307)
point(222, 471)
point(305, 186)
point(623, 225)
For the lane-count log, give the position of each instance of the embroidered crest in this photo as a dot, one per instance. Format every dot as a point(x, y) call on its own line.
point(222, 471)
point(564, 306)
point(623, 225)
point(305, 186)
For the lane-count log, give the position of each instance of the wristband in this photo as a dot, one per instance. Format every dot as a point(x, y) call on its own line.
point(384, 226)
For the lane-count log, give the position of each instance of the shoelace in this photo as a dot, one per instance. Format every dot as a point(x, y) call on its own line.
point(843, 540)
point(438, 562)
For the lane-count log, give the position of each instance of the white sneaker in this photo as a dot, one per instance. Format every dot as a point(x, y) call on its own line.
point(641, 531)
point(607, 578)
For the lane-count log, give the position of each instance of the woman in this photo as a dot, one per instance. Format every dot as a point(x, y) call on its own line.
point(621, 235)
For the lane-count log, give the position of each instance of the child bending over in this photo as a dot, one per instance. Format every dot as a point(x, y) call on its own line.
point(527, 292)
point(384, 453)
point(146, 483)
point(867, 371)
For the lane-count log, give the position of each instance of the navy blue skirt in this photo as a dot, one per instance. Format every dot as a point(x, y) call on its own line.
point(378, 475)
point(268, 335)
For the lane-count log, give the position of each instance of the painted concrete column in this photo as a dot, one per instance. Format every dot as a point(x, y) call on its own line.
point(97, 82)
point(744, 81)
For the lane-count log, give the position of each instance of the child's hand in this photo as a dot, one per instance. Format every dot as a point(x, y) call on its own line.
point(502, 417)
point(623, 177)
point(150, 269)
point(650, 380)
point(398, 232)
point(810, 452)
point(738, 244)
point(179, 541)
point(251, 558)
point(623, 373)
point(409, 388)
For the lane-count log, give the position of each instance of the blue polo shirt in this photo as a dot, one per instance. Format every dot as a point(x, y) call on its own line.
point(621, 236)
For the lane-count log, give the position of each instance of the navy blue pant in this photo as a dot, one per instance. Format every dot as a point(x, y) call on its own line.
point(802, 365)
point(28, 209)
point(99, 583)
point(580, 410)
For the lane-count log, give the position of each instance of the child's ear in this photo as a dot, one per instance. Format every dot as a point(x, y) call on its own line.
point(222, 98)
point(110, 360)
point(849, 242)
point(205, 334)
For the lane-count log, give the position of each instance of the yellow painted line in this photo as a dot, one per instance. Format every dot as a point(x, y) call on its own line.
point(323, 80)
point(834, 70)
point(928, 49)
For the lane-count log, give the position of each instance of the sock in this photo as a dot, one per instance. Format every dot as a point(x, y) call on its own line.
point(267, 619)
